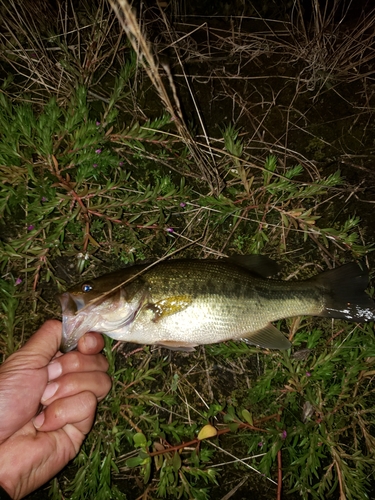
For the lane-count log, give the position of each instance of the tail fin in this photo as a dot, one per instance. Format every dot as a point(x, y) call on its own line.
point(344, 293)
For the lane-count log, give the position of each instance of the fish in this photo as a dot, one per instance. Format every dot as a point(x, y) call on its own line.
point(184, 303)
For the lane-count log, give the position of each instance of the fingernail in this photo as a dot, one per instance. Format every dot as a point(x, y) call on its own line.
point(54, 370)
point(49, 391)
point(39, 420)
point(90, 341)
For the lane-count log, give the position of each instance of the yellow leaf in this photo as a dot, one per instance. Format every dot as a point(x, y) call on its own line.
point(206, 432)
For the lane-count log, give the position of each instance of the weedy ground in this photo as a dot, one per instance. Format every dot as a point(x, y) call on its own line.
point(192, 136)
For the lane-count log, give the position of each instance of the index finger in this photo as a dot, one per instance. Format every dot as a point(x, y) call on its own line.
point(91, 343)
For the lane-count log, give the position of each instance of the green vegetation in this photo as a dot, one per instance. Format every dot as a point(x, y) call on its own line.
point(94, 174)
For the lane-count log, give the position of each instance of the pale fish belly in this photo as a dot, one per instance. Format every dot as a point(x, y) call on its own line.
point(197, 324)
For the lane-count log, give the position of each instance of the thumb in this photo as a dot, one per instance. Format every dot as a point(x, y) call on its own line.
point(24, 376)
point(39, 349)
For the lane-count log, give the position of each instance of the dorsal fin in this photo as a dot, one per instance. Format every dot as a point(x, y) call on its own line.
point(258, 264)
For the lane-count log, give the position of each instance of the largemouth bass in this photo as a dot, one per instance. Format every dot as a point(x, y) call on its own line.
point(181, 304)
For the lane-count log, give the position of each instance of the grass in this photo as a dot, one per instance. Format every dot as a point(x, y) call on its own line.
point(95, 174)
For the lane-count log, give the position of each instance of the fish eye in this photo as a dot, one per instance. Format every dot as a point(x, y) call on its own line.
point(86, 288)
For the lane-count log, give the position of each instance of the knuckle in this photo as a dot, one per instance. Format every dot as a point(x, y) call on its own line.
point(105, 387)
point(88, 402)
point(58, 409)
point(107, 384)
point(75, 361)
point(104, 362)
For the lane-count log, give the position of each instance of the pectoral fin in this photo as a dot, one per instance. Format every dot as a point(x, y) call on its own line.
point(269, 337)
point(167, 307)
point(175, 345)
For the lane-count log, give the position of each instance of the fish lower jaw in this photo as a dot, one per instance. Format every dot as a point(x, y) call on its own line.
point(75, 327)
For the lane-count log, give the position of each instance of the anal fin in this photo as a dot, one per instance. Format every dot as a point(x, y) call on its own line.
point(175, 345)
point(268, 337)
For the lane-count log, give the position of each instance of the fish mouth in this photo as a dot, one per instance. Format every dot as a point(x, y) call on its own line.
point(74, 325)
point(70, 304)
point(80, 317)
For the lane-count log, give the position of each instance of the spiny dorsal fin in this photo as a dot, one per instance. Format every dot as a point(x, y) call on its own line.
point(258, 264)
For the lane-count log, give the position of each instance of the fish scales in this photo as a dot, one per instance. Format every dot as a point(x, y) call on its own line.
point(188, 302)
point(220, 293)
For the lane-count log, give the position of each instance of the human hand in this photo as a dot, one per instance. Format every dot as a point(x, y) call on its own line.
point(33, 450)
